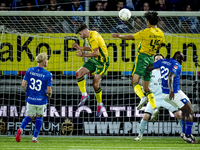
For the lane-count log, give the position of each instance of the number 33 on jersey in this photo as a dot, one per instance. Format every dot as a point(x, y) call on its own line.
point(37, 81)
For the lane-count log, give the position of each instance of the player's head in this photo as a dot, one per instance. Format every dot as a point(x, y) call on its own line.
point(178, 56)
point(158, 57)
point(82, 30)
point(151, 17)
point(42, 59)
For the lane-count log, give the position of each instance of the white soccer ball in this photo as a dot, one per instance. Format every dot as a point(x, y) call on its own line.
point(124, 14)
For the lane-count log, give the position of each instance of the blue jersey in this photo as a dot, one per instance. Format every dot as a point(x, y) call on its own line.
point(166, 66)
point(37, 81)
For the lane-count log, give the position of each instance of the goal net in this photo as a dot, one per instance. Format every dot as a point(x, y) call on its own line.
point(26, 34)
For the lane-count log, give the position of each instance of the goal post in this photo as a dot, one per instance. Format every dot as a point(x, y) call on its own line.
point(23, 35)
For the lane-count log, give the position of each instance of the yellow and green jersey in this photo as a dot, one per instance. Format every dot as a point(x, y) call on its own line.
point(94, 41)
point(151, 39)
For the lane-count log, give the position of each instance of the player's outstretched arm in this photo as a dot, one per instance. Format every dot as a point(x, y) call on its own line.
point(123, 37)
point(24, 85)
point(150, 68)
point(170, 85)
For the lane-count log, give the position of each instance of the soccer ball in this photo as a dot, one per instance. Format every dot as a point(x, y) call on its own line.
point(124, 14)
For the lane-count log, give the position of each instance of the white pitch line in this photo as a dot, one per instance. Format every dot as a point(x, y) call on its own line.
point(51, 147)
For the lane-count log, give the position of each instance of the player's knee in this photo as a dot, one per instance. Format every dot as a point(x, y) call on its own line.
point(31, 117)
point(146, 89)
point(95, 86)
point(178, 115)
point(39, 115)
point(146, 117)
point(77, 74)
point(134, 83)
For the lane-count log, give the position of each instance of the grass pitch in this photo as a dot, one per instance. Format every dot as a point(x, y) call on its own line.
point(85, 143)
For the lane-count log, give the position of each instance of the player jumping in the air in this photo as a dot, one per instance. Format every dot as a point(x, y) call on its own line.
point(98, 63)
point(160, 102)
point(170, 70)
point(152, 37)
point(37, 84)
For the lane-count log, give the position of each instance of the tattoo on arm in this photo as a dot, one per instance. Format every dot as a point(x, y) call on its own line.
point(24, 85)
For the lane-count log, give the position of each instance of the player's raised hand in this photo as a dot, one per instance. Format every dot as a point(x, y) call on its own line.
point(171, 95)
point(79, 53)
point(115, 35)
point(76, 46)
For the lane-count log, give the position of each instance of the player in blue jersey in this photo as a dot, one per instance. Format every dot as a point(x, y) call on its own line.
point(170, 70)
point(37, 84)
point(160, 102)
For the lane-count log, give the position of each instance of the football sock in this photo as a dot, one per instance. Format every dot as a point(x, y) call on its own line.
point(143, 125)
point(188, 128)
point(183, 125)
point(25, 121)
point(99, 104)
point(81, 85)
point(151, 99)
point(38, 125)
point(98, 94)
point(138, 90)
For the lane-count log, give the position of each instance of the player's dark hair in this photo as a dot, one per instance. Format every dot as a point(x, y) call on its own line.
point(152, 17)
point(159, 55)
point(81, 27)
point(178, 55)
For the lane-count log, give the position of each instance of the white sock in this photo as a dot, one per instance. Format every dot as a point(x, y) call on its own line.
point(143, 125)
point(140, 134)
point(99, 104)
point(84, 94)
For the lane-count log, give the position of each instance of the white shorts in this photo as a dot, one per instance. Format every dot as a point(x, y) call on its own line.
point(180, 99)
point(31, 110)
point(160, 103)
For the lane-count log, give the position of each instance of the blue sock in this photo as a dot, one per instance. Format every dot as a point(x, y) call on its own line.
point(188, 128)
point(38, 125)
point(143, 125)
point(183, 125)
point(25, 121)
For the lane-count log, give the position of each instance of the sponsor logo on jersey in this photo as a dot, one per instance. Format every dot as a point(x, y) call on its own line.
point(176, 67)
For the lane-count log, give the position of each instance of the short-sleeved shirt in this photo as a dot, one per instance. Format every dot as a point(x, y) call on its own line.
point(166, 66)
point(151, 39)
point(38, 79)
point(95, 40)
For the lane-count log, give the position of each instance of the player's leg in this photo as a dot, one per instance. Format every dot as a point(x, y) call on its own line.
point(143, 122)
point(30, 110)
point(149, 93)
point(85, 69)
point(151, 99)
point(98, 94)
point(39, 121)
point(187, 109)
point(179, 116)
point(137, 72)
point(177, 113)
point(99, 73)
point(183, 102)
point(138, 90)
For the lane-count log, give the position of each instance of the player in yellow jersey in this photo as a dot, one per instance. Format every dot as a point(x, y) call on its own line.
point(152, 37)
point(98, 63)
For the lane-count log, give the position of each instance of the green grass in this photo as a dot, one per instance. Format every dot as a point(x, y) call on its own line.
point(63, 143)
